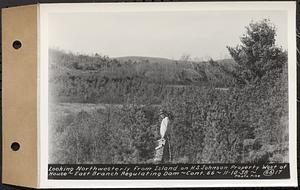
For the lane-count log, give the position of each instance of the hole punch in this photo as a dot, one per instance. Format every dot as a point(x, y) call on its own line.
point(15, 146)
point(17, 44)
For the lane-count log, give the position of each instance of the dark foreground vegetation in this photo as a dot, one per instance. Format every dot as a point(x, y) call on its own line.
point(104, 110)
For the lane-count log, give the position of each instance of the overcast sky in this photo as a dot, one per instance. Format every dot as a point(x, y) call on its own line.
point(159, 34)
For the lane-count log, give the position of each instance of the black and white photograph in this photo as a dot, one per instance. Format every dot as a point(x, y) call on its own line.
point(168, 87)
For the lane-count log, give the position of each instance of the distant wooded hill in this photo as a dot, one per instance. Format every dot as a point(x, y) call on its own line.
point(150, 69)
point(94, 79)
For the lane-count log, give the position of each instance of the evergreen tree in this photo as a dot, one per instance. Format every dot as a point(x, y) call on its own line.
point(257, 54)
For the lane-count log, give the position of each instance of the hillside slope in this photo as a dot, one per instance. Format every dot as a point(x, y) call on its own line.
point(86, 78)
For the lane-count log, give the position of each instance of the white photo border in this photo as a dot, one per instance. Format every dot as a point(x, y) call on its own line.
point(46, 9)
